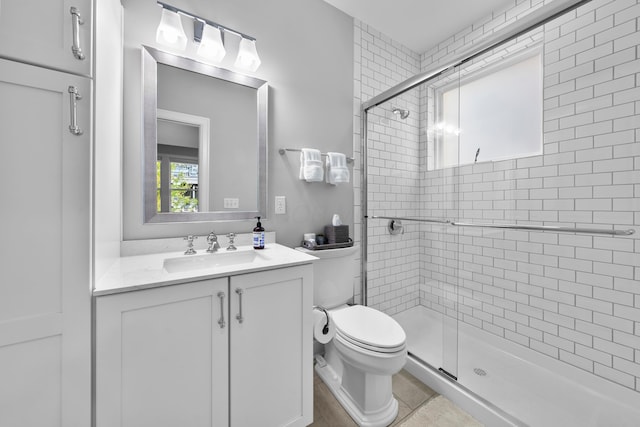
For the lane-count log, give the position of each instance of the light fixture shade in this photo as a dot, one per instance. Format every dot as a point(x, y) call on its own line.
point(211, 46)
point(170, 32)
point(248, 58)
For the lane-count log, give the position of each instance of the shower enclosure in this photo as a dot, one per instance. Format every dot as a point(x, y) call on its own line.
point(500, 199)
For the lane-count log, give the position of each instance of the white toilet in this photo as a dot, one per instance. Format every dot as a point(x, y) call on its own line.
point(368, 348)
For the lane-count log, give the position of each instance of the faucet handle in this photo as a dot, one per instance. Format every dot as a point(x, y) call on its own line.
point(190, 238)
point(231, 246)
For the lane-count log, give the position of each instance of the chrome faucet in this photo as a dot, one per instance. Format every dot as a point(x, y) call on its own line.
point(231, 246)
point(212, 240)
point(190, 239)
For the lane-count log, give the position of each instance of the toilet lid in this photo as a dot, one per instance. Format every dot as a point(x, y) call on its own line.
point(370, 327)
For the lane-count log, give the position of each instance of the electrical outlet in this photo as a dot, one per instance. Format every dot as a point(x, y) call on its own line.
point(281, 205)
point(231, 203)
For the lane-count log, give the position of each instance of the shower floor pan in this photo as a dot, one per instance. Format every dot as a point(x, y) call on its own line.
point(502, 383)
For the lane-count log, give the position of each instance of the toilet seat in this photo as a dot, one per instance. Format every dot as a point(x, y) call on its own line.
point(370, 329)
point(372, 348)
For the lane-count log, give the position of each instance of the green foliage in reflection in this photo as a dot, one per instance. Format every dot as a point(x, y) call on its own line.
point(183, 194)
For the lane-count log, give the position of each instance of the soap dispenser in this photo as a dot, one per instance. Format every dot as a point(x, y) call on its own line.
point(258, 235)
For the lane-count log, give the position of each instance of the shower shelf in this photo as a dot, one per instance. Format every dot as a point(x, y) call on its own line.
point(628, 232)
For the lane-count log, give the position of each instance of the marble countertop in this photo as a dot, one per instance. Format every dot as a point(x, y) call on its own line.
point(148, 271)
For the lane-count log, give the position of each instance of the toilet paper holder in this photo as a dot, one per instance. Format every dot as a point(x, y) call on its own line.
point(325, 329)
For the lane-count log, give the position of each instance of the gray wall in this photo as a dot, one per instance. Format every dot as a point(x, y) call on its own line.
point(306, 47)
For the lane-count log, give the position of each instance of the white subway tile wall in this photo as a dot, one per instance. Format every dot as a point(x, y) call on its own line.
point(575, 298)
point(394, 169)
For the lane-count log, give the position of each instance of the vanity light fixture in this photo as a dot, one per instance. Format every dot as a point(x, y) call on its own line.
point(248, 58)
point(170, 31)
point(208, 35)
point(211, 43)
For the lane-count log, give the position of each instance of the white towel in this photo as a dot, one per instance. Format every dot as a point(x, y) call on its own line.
point(311, 169)
point(337, 170)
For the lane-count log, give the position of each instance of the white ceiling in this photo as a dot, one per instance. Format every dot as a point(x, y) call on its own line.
point(419, 24)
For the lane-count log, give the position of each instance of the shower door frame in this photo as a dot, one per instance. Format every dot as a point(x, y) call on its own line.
point(533, 20)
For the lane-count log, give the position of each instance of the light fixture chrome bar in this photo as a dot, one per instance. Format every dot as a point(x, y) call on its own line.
point(298, 150)
point(534, 19)
point(557, 229)
point(204, 21)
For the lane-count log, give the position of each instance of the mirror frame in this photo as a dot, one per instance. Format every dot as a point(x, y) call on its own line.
point(150, 59)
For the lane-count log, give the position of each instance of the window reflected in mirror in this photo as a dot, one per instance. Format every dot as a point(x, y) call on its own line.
point(177, 166)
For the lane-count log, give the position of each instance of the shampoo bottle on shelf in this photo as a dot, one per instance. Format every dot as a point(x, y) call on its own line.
point(258, 235)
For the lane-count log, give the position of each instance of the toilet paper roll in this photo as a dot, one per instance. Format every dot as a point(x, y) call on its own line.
point(319, 323)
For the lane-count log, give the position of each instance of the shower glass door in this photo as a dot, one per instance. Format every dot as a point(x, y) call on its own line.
point(517, 271)
point(412, 271)
point(440, 200)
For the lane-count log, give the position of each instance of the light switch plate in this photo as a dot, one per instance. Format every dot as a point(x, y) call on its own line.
point(231, 203)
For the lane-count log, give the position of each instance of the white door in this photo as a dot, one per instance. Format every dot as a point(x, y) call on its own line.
point(45, 289)
point(43, 32)
point(271, 348)
point(162, 356)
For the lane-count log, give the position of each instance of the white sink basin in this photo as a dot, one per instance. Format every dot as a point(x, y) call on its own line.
point(217, 259)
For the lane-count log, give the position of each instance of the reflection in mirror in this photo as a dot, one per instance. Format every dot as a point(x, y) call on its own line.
point(182, 167)
point(205, 141)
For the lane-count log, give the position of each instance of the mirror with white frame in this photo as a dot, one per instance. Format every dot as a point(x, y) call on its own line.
point(205, 141)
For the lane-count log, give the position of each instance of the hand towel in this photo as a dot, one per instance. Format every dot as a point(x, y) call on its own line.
point(337, 170)
point(311, 169)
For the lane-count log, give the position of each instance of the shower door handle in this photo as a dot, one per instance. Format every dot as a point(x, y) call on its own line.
point(239, 315)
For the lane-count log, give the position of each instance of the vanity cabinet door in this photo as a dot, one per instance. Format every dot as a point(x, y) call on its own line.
point(162, 356)
point(45, 291)
point(271, 379)
point(42, 32)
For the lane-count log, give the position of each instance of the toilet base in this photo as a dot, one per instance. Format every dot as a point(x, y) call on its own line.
point(382, 416)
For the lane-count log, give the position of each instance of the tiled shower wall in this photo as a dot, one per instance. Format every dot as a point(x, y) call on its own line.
point(575, 298)
point(394, 169)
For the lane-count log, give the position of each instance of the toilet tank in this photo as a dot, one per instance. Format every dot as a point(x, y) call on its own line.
point(333, 275)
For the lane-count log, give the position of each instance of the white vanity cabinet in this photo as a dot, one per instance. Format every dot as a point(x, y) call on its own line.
point(233, 351)
point(271, 349)
point(162, 356)
point(51, 33)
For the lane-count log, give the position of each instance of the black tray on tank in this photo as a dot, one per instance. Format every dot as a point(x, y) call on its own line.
point(328, 245)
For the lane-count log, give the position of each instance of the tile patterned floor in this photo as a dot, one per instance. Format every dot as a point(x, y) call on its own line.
point(410, 393)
